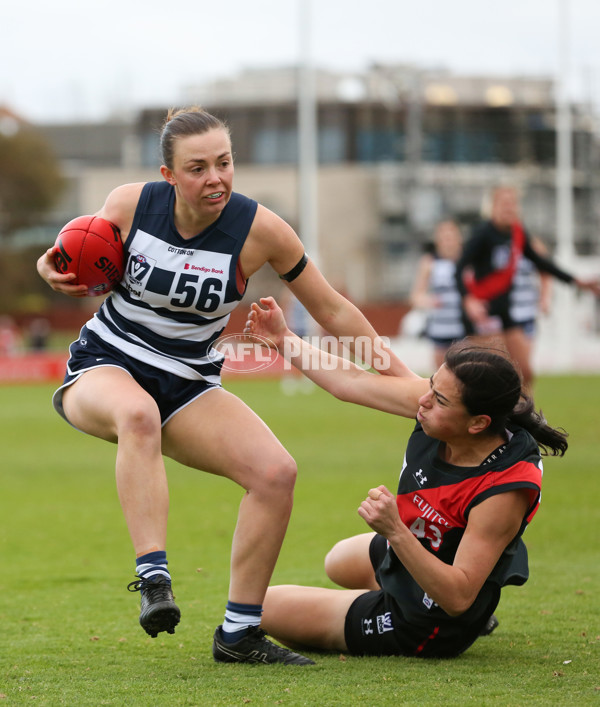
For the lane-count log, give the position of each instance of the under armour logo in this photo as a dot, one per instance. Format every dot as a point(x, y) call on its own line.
point(420, 478)
point(367, 626)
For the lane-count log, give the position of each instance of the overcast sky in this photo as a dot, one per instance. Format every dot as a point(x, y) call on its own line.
point(75, 59)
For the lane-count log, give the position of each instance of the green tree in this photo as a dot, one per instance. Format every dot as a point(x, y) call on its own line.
point(30, 177)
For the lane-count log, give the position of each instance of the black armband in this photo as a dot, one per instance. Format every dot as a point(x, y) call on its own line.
point(296, 270)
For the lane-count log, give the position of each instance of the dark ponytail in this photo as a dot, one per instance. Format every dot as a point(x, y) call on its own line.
point(491, 386)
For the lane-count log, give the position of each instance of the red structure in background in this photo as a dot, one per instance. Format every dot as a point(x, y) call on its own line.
point(32, 368)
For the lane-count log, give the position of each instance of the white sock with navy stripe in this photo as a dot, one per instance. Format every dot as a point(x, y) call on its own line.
point(238, 619)
point(151, 565)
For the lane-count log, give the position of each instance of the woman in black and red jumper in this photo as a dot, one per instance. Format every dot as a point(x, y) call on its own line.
point(485, 276)
point(426, 582)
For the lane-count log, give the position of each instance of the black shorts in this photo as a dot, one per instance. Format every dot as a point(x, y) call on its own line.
point(170, 392)
point(373, 624)
point(376, 625)
point(499, 313)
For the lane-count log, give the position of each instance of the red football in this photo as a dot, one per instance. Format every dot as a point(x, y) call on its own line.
point(90, 247)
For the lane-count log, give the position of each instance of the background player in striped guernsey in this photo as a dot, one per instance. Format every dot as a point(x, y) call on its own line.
point(434, 289)
point(428, 580)
point(143, 373)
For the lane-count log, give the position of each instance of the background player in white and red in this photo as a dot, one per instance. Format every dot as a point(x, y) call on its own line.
point(428, 580)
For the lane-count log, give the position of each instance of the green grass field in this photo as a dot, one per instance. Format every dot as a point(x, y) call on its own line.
point(69, 631)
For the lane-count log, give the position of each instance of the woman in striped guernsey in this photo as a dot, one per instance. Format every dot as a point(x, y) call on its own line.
point(143, 374)
point(435, 291)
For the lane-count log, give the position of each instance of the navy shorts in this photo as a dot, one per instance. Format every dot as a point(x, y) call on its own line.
point(528, 327)
point(170, 392)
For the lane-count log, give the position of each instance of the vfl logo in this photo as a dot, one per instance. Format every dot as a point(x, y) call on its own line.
point(428, 601)
point(367, 626)
point(137, 273)
point(138, 267)
point(384, 622)
point(419, 478)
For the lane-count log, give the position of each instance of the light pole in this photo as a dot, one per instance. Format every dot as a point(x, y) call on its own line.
point(308, 207)
point(564, 166)
point(565, 299)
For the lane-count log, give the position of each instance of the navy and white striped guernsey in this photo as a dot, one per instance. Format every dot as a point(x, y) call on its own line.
point(177, 294)
point(445, 322)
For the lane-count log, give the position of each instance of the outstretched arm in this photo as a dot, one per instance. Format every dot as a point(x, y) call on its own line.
point(339, 376)
point(340, 317)
point(545, 265)
point(274, 241)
